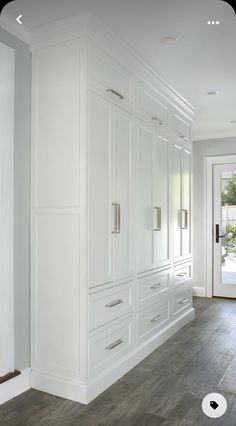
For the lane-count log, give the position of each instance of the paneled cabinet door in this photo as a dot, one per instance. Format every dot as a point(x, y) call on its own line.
point(181, 189)
point(110, 192)
point(176, 175)
point(186, 202)
point(122, 193)
point(161, 202)
point(100, 248)
point(144, 198)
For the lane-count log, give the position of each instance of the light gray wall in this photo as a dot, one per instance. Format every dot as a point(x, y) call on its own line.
point(21, 199)
point(201, 150)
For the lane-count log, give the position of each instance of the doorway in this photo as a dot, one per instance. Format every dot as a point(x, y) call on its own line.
point(224, 225)
point(220, 213)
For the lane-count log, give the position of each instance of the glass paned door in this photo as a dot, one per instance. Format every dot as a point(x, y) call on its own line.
point(224, 235)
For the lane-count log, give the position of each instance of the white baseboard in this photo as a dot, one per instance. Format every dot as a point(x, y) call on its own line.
point(83, 393)
point(199, 291)
point(15, 387)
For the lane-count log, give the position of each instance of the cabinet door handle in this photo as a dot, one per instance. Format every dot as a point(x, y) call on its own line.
point(116, 227)
point(159, 121)
point(114, 92)
point(183, 274)
point(115, 303)
point(153, 287)
point(183, 219)
point(157, 219)
point(184, 138)
point(183, 301)
point(114, 345)
point(156, 318)
point(118, 218)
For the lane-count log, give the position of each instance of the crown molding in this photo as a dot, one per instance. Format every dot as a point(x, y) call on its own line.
point(211, 136)
point(89, 25)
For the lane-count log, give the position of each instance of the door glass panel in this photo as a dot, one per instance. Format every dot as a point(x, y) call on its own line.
point(228, 227)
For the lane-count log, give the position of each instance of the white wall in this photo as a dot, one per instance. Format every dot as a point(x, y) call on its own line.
point(21, 199)
point(201, 150)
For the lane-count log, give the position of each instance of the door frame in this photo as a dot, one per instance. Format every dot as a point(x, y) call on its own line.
point(8, 197)
point(208, 215)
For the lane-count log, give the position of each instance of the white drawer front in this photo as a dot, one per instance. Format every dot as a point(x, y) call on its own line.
point(153, 285)
point(108, 346)
point(107, 305)
point(181, 128)
point(182, 301)
point(152, 108)
point(109, 76)
point(182, 275)
point(151, 320)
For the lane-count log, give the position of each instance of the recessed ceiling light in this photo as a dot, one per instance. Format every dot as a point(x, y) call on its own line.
point(213, 92)
point(169, 39)
point(213, 22)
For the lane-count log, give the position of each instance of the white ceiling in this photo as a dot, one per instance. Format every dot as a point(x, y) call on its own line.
point(202, 59)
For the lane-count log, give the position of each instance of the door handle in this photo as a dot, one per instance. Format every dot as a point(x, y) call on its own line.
point(218, 236)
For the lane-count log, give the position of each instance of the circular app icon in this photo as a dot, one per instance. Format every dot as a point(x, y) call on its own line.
point(214, 405)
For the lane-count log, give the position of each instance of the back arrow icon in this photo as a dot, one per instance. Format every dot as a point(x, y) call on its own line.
point(19, 19)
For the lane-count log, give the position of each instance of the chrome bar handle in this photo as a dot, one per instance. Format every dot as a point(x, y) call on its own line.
point(114, 345)
point(157, 218)
point(183, 274)
point(184, 138)
point(159, 121)
point(156, 318)
point(118, 218)
point(114, 92)
point(183, 301)
point(183, 219)
point(116, 228)
point(115, 303)
point(154, 287)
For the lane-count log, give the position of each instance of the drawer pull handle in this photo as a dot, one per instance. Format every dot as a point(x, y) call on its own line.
point(183, 274)
point(153, 287)
point(159, 121)
point(115, 303)
point(183, 301)
point(114, 345)
point(115, 93)
point(156, 318)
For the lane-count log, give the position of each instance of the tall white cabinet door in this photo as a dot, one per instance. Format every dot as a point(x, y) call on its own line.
point(122, 193)
point(144, 194)
point(176, 174)
point(161, 202)
point(99, 189)
point(186, 202)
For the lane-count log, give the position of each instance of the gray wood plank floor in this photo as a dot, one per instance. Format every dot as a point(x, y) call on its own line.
point(165, 389)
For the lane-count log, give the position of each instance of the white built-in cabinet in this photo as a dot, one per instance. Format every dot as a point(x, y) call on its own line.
point(111, 259)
